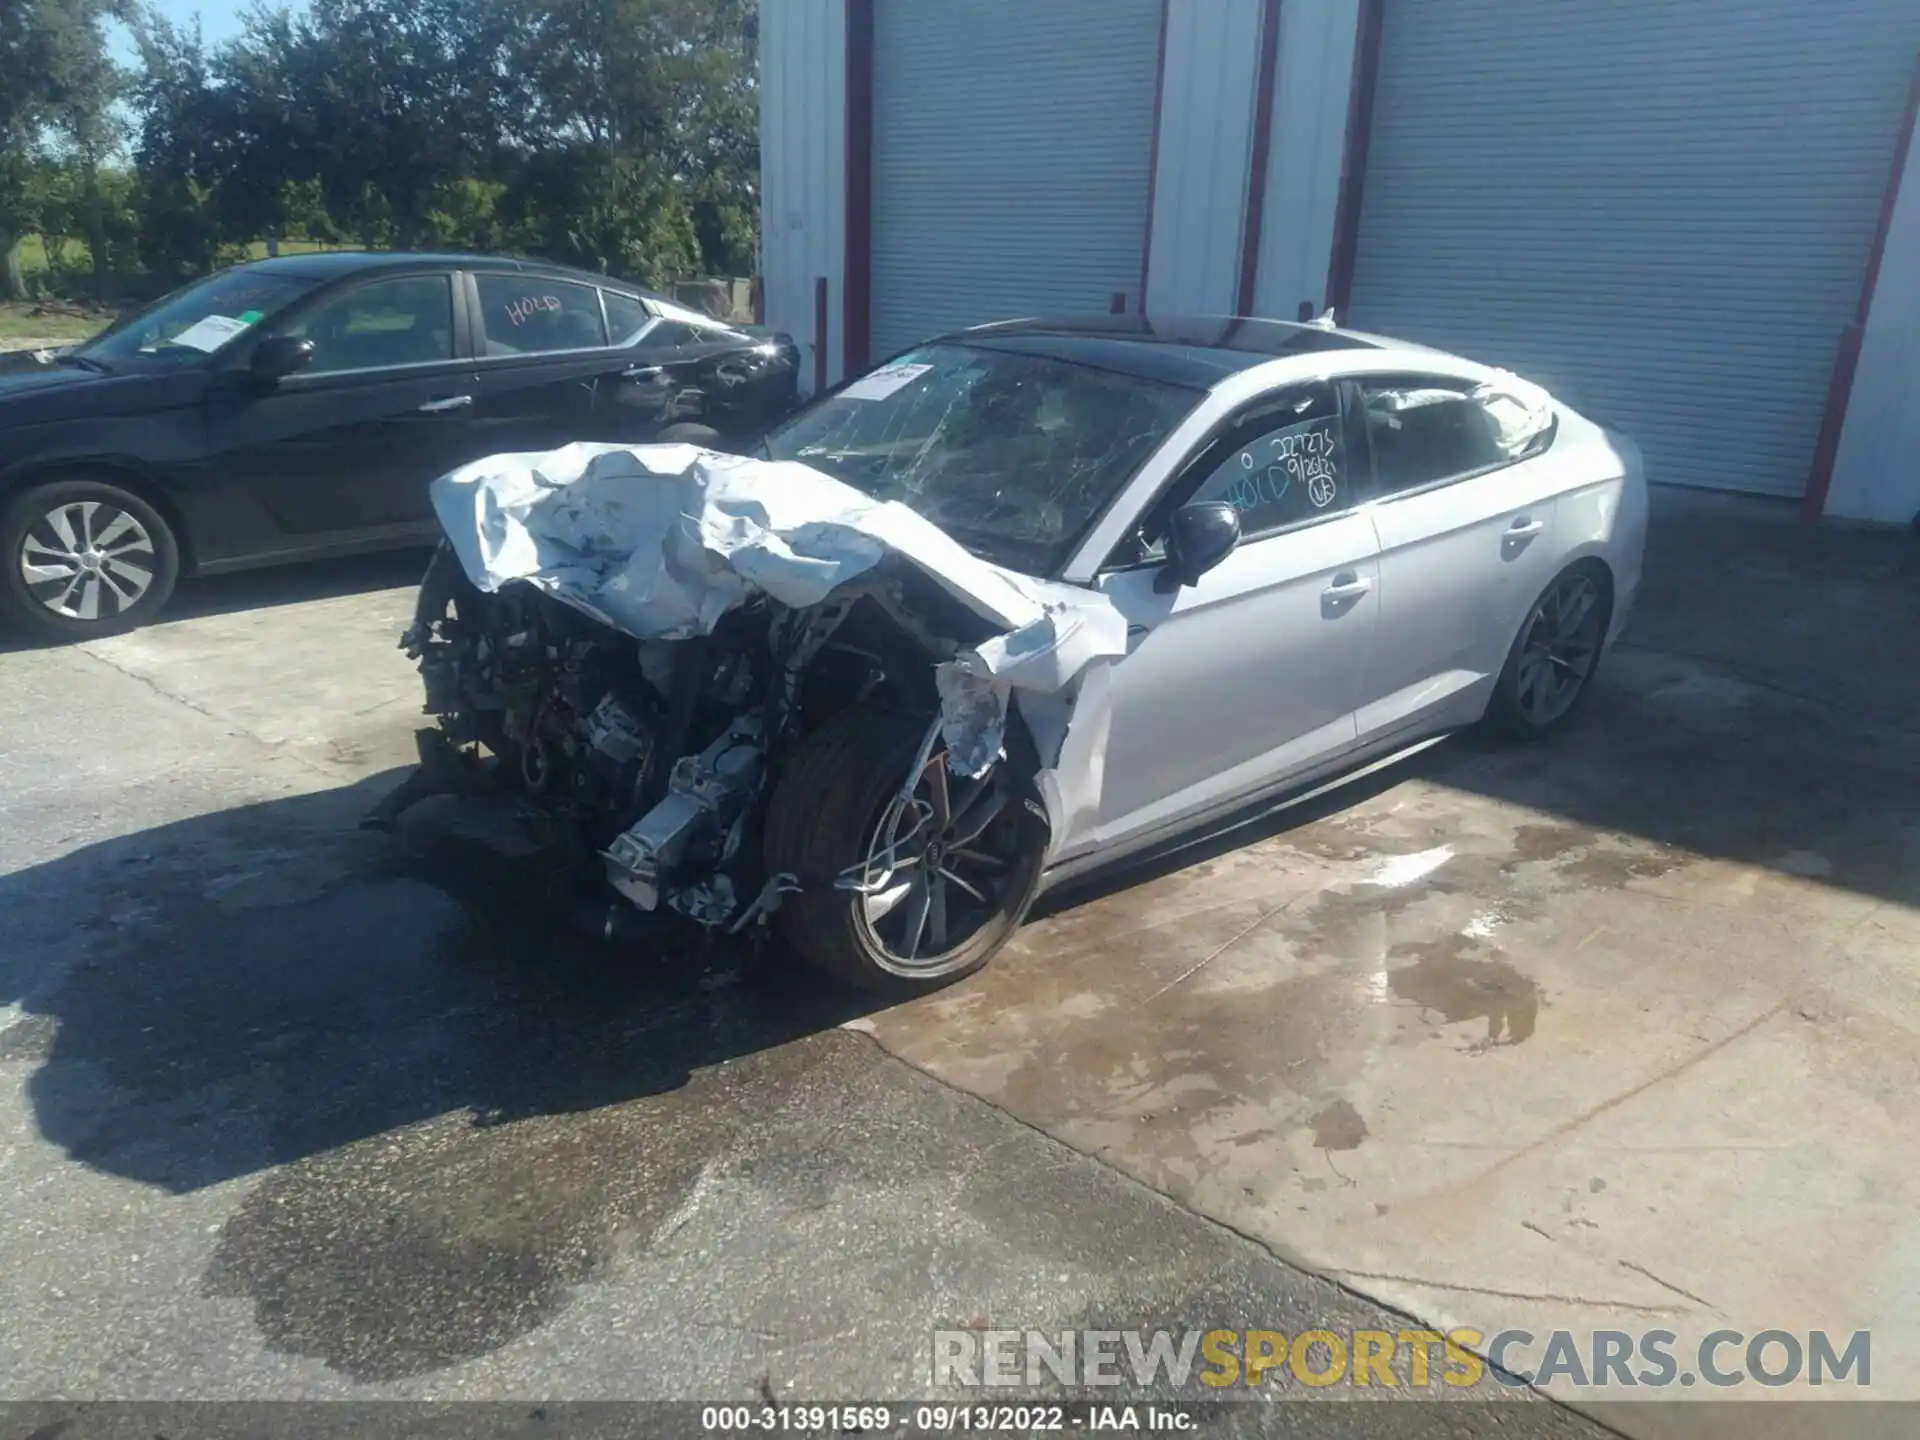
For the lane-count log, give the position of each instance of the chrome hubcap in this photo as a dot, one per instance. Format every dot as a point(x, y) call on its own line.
point(938, 866)
point(88, 560)
point(1562, 641)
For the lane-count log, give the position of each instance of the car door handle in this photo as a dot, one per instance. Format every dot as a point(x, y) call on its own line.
point(1346, 586)
point(1524, 527)
point(640, 372)
point(441, 407)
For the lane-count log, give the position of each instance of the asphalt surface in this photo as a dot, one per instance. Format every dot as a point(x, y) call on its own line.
point(290, 1111)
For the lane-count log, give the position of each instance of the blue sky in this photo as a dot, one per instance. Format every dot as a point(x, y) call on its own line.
point(219, 20)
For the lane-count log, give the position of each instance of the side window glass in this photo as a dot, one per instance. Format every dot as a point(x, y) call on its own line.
point(1424, 430)
point(406, 321)
point(1285, 466)
point(626, 317)
point(529, 315)
point(671, 335)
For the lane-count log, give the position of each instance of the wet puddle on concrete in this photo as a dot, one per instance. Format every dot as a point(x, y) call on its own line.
point(1462, 989)
point(456, 1111)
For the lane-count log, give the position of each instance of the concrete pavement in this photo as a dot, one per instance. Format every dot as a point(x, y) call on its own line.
point(1613, 1032)
point(1619, 1031)
point(287, 1113)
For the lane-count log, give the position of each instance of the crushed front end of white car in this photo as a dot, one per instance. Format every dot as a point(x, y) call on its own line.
point(738, 690)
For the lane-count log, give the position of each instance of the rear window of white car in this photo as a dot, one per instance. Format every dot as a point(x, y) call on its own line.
point(1425, 430)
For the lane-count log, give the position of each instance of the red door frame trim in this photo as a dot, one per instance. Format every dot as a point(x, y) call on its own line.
point(856, 289)
point(1266, 78)
point(1840, 388)
point(820, 345)
point(1353, 156)
point(1153, 151)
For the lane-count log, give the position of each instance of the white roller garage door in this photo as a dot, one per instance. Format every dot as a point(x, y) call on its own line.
point(1011, 145)
point(1663, 210)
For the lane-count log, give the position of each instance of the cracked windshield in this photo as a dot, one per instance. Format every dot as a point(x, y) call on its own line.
point(1012, 454)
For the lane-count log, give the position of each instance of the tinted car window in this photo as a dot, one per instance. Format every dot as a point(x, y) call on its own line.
point(1286, 465)
point(671, 335)
point(526, 315)
point(1424, 430)
point(405, 321)
point(198, 319)
point(626, 316)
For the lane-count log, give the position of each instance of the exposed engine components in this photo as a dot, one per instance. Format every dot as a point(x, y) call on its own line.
point(707, 797)
point(651, 758)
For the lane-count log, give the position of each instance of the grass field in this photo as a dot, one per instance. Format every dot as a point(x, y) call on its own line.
point(34, 259)
point(17, 322)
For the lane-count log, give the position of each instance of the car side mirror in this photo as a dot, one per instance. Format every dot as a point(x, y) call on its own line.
point(1199, 537)
point(277, 357)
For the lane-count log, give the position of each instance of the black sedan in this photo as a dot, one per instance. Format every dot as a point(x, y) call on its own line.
point(299, 407)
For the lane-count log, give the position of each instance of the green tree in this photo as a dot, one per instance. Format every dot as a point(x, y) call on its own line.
point(663, 94)
point(57, 90)
point(615, 134)
point(182, 122)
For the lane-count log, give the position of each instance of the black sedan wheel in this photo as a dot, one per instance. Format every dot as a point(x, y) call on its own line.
point(85, 558)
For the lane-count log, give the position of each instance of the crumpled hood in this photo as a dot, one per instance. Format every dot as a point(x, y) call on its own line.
point(660, 541)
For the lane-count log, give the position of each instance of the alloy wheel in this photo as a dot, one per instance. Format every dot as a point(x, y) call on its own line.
point(939, 861)
point(88, 560)
point(1561, 642)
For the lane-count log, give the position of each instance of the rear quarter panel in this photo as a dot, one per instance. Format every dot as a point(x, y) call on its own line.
point(1602, 513)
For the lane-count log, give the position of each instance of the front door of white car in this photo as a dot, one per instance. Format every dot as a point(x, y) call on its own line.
point(1467, 543)
point(1251, 674)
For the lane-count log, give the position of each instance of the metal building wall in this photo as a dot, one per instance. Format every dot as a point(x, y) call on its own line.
point(1310, 104)
point(1209, 69)
point(1662, 212)
point(803, 142)
point(1876, 475)
point(1011, 159)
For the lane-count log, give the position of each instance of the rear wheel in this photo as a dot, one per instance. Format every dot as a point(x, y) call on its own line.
point(905, 887)
point(1551, 666)
point(85, 558)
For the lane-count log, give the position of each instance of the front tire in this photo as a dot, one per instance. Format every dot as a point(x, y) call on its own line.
point(84, 558)
point(966, 855)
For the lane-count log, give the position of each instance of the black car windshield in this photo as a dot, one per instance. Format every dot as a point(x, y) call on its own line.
point(1014, 455)
point(193, 322)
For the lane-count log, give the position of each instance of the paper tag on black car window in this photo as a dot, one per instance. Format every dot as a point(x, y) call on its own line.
point(883, 382)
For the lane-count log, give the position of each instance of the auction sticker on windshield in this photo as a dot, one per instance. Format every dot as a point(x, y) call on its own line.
point(883, 382)
point(209, 334)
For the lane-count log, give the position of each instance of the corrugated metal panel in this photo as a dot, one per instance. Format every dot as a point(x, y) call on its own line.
point(1662, 210)
point(1876, 475)
point(1206, 124)
point(1011, 146)
point(1303, 163)
point(803, 150)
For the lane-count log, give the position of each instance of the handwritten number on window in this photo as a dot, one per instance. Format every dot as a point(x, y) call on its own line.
point(1273, 468)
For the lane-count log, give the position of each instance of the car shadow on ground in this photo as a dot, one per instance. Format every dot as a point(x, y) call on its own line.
point(253, 987)
point(269, 588)
point(242, 989)
point(245, 989)
point(259, 986)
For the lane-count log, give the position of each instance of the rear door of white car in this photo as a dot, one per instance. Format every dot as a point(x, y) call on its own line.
point(1466, 534)
point(1252, 674)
